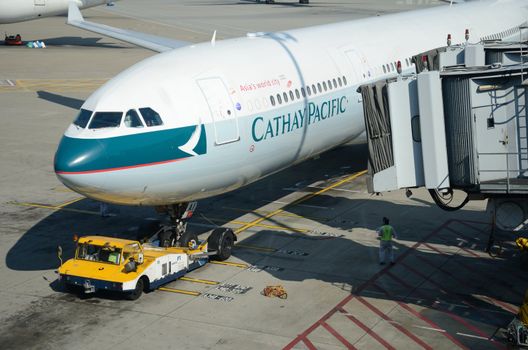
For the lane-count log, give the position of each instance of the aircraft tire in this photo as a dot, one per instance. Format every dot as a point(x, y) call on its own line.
point(188, 238)
point(222, 241)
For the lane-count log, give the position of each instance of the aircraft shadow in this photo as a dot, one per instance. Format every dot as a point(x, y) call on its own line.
point(80, 41)
point(71, 102)
point(346, 263)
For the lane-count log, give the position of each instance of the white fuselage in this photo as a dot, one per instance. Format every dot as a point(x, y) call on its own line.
point(12, 11)
point(221, 127)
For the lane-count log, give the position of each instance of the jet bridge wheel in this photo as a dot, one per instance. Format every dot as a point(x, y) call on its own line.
point(222, 241)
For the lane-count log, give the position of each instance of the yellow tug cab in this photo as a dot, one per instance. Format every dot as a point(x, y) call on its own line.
point(114, 264)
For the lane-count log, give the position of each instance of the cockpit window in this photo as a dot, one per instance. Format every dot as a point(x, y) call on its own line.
point(106, 120)
point(150, 116)
point(132, 119)
point(82, 118)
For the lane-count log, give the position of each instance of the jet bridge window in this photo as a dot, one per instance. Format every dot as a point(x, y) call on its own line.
point(82, 118)
point(102, 120)
point(132, 119)
point(150, 116)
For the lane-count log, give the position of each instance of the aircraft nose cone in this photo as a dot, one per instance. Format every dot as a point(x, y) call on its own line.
point(76, 156)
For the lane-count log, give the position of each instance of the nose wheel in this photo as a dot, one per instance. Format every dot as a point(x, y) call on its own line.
point(174, 234)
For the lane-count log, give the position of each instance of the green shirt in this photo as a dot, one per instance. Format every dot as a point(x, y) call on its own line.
point(386, 232)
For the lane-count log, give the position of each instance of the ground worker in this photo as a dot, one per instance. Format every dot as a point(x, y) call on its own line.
point(385, 234)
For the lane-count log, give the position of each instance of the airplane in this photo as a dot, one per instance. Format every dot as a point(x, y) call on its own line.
point(200, 120)
point(13, 11)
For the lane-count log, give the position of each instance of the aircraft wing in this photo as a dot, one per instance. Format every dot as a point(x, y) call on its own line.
point(151, 42)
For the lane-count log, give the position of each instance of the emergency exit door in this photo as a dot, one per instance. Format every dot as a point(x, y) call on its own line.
point(222, 110)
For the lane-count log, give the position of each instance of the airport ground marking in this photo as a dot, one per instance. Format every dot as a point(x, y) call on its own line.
point(65, 204)
point(180, 291)
point(54, 207)
point(298, 201)
point(285, 214)
point(273, 227)
point(255, 247)
point(227, 263)
point(197, 280)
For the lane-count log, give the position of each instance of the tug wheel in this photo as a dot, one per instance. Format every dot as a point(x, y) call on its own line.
point(222, 241)
point(136, 293)
point(189, 240)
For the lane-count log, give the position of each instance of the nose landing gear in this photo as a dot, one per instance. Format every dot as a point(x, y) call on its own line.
point(174, 234)
point(219, 244)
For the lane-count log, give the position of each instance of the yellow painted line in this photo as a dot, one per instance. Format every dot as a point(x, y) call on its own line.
point(298, 201)
point(55, 85)
point(227, 263)
point(65, 204)
point(180, 291)
point(291, 215)
point(255, 247)
point(52, 207)
point(273, 227)
point(197, 280)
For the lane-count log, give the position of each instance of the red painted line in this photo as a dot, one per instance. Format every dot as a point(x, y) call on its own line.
point(337, 335)
point(343, 302)
point(422, 317)
point(453, 316)
point(395, 325)
point(367, 330)
point(309, 344)
point(459, 296)
point(118, 168)
point(498, 303)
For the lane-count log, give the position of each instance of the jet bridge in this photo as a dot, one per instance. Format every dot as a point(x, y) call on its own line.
point(459, 123)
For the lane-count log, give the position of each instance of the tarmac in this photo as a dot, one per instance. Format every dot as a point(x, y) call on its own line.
point(310, 228)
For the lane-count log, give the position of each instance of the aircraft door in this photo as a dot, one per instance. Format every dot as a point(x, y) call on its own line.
point(358, 66)
point(40, 3)
point(222, 110)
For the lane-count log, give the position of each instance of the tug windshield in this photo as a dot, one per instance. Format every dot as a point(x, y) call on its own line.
point(105, 253)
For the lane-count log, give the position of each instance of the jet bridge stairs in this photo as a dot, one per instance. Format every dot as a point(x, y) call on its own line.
point(459, 123)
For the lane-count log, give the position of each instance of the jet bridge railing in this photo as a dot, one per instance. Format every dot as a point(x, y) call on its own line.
point(509, 181)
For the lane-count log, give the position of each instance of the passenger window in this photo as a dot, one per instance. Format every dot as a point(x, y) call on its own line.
point(384, 69)
point(150, 116)
point(329, 85)
point(285, 95)
point(392, 66)
point(344, 80)
point(106, 120)
point(303, 92)
point(340, 81)
point(324, 86)
point(132, 119)
point(314, 90)
point(272, 100)
point(83, 118)
point(309, 91)
point(279, 99)
point(319, 87)
point(297, 93)
point(291, 95)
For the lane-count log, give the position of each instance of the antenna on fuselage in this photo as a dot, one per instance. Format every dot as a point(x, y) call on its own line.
point(213, 39)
